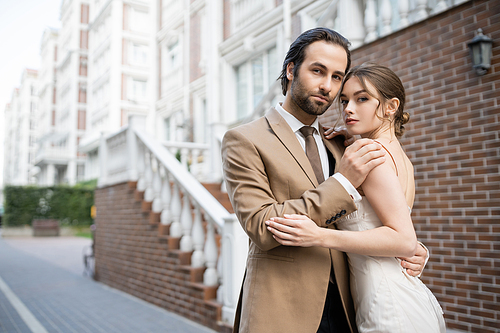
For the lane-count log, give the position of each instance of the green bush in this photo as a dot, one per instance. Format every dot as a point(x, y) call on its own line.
point(69, 205)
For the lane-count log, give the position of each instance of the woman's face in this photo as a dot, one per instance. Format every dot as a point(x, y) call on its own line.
point(360, 109)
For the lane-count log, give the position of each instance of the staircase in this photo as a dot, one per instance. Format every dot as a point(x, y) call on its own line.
point(222, 197)
point(136, 254)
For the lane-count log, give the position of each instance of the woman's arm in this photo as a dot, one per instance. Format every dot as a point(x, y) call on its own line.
point(395, 238)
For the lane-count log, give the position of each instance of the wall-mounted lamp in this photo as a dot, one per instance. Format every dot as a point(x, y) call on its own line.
point(480, 51)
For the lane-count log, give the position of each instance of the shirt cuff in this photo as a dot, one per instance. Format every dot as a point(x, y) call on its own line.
point(348, 186)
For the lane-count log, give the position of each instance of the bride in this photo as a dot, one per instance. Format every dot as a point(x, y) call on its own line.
point(386, 298)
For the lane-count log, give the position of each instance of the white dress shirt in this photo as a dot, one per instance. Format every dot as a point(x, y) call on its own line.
point(296, 125)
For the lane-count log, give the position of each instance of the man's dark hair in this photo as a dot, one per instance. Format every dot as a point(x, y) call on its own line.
point(296, 53)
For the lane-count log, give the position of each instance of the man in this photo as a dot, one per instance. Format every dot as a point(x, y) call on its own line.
point(272, 169)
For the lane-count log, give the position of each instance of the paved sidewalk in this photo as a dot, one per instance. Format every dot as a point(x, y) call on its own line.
point(42, 289)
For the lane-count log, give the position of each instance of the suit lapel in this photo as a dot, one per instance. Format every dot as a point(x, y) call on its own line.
point(289, 140)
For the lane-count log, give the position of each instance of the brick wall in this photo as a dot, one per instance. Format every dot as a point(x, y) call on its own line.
point(133, 254)
point(453, 141)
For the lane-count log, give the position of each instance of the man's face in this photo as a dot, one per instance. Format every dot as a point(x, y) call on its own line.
point(318, 79)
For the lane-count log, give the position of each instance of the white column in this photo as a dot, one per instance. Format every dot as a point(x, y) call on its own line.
point(441, 6)
point(132, 154)
point(198, 257)
point(141, 166)
point(51, 173)
point(187, 223)
point(370, 21)
point(157, 186)
point(350, 21)
point(165, 198)
point(421, 10)
point(234, 252)
point(403, 8)
point(103, 164)
point(71, 172)
point(386, 16)
point(210, 277)
point(175, 212)
point(148, 177)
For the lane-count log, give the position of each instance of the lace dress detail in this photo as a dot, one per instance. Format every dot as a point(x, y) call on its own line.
point(386, 298)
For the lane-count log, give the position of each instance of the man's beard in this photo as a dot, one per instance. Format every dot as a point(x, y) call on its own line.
point(302, 98)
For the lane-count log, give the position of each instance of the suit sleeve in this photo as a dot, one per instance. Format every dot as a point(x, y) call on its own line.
point(253, 199)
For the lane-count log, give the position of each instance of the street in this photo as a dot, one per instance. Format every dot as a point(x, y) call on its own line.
point(43, 289)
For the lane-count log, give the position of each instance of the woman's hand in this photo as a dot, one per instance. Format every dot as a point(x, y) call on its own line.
point(295, 230)
point(331, 132)
point(415, 265)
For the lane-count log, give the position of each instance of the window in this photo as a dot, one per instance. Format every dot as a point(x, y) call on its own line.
point(173, 56)
point(200, 120)
point(168, 131)
point(253, 80)
point(241, 91)
point(138, 91)
point(139, 21)
point(139, 54)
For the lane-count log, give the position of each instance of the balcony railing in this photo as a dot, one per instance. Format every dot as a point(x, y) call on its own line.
point(47, 154)
point(243, 12)
point(183, 204)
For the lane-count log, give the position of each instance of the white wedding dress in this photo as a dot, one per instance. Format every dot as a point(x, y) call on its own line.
point(386, 298)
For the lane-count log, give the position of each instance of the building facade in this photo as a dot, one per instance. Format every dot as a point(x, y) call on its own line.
point(20, 131)
point(120, 57)
point(71, 89)
point(47, 157)
point(230, 75)
point(191, 69)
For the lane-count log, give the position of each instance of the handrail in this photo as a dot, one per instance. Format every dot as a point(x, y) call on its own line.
point(200, 194)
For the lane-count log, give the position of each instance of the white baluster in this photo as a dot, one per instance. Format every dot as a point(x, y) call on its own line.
point(370, 21)
point(421, 10)
point(441, 6)
point(148, 177)
point(386, 16)
point(157, 185)
point(404, 8)
point(187, 223)
point(175, 212)
point(198, 257)
point(166, 196)
point(194, 162)
point(220, 273)
point(132, 154)
point(141, 182)
point(184, 157)
point(210, 277)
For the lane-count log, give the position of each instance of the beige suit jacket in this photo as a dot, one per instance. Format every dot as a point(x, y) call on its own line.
point(268, 174)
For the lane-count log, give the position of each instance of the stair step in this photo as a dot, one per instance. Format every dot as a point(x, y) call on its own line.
point(222, 197)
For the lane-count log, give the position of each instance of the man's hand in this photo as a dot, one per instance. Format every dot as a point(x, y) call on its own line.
point(415, 265)
point(359, 159)
point(331, 132)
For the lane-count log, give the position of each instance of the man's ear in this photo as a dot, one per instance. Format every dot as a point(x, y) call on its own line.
point(392, 106)
point(289, 71)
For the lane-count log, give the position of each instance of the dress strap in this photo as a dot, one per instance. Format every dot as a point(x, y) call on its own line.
point(393, 160)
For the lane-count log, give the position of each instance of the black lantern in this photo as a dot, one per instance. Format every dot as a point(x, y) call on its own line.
point(480, 51)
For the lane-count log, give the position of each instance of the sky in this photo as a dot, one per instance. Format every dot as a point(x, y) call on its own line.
point(22, 23)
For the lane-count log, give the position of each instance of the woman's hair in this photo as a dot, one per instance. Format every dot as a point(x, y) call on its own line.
point(388, 86)
point(296, 53)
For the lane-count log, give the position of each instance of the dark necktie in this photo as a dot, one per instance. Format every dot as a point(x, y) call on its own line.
point(312, 152)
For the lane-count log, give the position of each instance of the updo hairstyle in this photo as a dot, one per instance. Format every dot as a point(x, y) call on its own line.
point(388, 86)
